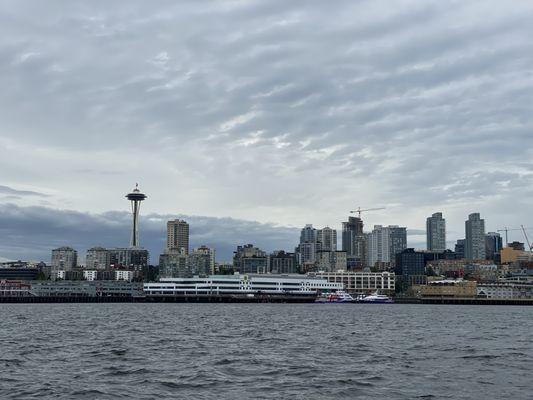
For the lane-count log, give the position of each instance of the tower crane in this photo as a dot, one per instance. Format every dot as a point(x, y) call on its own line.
point(527, 239)
point(359, 211)
point(506, 230)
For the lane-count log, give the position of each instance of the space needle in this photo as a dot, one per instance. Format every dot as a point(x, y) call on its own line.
point(135, 197)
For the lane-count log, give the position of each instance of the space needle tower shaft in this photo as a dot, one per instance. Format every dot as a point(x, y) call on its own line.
point(135, 197)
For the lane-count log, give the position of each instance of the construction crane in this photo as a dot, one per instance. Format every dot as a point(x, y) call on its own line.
point(527, 239)
point(506, 230)
point(359, 211)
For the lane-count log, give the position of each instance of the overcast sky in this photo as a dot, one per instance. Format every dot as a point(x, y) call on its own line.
point(253, 118)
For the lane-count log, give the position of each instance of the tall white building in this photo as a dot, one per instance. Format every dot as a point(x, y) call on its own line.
point(475, 237)
point(436, 232)
point(384, 242)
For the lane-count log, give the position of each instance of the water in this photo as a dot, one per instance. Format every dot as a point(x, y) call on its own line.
point(265, 351)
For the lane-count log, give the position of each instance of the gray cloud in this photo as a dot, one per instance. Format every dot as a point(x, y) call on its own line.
point(281, 112)
point(31, 232)
point(14, 193)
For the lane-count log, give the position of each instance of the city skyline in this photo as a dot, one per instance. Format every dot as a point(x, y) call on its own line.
point(278, 113)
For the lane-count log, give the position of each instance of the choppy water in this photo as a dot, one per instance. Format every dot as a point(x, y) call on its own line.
point(265, 351)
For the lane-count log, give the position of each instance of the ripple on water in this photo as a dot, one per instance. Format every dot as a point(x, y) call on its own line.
point(265, 351)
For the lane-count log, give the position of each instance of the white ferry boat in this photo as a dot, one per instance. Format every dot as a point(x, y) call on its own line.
point(257, 287)
point(375, 298)
point(339, 296)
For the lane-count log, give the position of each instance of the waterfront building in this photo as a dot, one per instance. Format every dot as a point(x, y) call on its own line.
point(493, 245)
point(174, 264)
point(97, 258)
point(475, 237)
point(353, 241)
point(436, 232)
point(326, 239)
point(64, 258)
point(202, 261)
point(504, 290)
point(362, 282)
point(242, 284)
point(248, 259)
point(178, 235)
point(282, 262)
point(448, 288)
point(86, 289)
point(460, 249)
point(14, 289)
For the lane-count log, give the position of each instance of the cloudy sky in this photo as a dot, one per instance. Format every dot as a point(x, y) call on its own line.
point(253, 118)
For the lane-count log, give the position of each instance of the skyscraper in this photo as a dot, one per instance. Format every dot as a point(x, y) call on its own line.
point(460, 249)
point(397, 241)
point(475, 237)
point(436, 232)
point(384, 243)
point(307, 248)
point(178, 235)
point(353, 240)
point(326, 239)
point(493, 245)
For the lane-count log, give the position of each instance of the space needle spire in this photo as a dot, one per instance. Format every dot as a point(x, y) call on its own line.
point(135, 197)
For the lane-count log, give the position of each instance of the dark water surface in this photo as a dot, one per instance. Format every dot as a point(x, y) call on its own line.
point(266, 351)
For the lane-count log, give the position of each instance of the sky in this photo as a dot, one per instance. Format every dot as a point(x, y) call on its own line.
point(253, 118)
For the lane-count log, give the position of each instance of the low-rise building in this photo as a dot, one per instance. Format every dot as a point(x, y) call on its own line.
point(454, 288)
point(362, 282)
point(505, 291)
point(124, 275)
point(90, 275)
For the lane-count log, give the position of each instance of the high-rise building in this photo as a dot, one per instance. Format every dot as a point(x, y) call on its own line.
point(250, 260)
point(202, 261)
point(410, 268)
point(493, 245)
point(397, 241)
point(64, 259)
point(460, 249)
point(383, 243)
point(308, 234)
point(326, 239)
point(178, 235)
point(174, 264)
point(353, 240)
point(97, 258)
point(436, 232)
point(306, 250)
point(475, 237)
